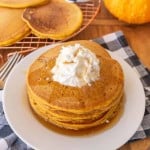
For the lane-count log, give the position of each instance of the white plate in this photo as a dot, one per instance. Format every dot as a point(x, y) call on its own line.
point(27, 127)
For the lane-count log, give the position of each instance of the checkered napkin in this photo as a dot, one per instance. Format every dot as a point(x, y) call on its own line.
point(116, 43)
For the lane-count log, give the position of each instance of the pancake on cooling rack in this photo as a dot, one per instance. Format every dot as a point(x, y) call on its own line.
point(75, 85)
point(21, 3)
point(56, 20)
point(12, 27)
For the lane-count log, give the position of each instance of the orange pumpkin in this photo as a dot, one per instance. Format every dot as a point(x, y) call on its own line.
point(131, 11)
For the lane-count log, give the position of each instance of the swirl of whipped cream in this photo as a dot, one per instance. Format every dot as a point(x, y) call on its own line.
point(76, 66)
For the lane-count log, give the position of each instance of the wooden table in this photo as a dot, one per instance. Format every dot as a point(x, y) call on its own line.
point(138, 37)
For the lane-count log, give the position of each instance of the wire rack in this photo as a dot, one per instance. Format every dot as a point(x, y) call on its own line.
point(31, 42)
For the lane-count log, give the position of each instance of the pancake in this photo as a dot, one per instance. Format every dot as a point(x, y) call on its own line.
point(59, 98)
point(68, 116)
point(56, 20)
point(103, 118)
point(21, 3)
point(12, 27)
point(73, 107)
point(63, 116)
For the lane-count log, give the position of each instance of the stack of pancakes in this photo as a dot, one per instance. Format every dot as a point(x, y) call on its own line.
point(54, 19)
point(73, 107)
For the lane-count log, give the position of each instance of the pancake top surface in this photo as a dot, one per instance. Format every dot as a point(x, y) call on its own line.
point(21, 3)
point(11, 25)
point(100, 94)
point(57, 18)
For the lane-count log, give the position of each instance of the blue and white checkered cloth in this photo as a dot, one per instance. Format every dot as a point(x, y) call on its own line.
point(116, 43)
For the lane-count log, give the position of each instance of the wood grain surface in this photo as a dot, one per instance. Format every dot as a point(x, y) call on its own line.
point(138, 37)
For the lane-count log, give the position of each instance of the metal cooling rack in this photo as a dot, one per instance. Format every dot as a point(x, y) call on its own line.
point(31, 42)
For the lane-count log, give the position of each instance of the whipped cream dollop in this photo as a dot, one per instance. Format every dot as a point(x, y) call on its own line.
point(76, 66)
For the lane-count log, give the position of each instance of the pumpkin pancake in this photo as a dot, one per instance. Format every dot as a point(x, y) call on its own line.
point(21, 3)
point(68, 116)
point(103, 118)
point(56, 20)
point(12, 27)
point(48, 113)
point(75, 107)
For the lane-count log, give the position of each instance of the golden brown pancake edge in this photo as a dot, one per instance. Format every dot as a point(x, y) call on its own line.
point(12, 28)
point(21, 4)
